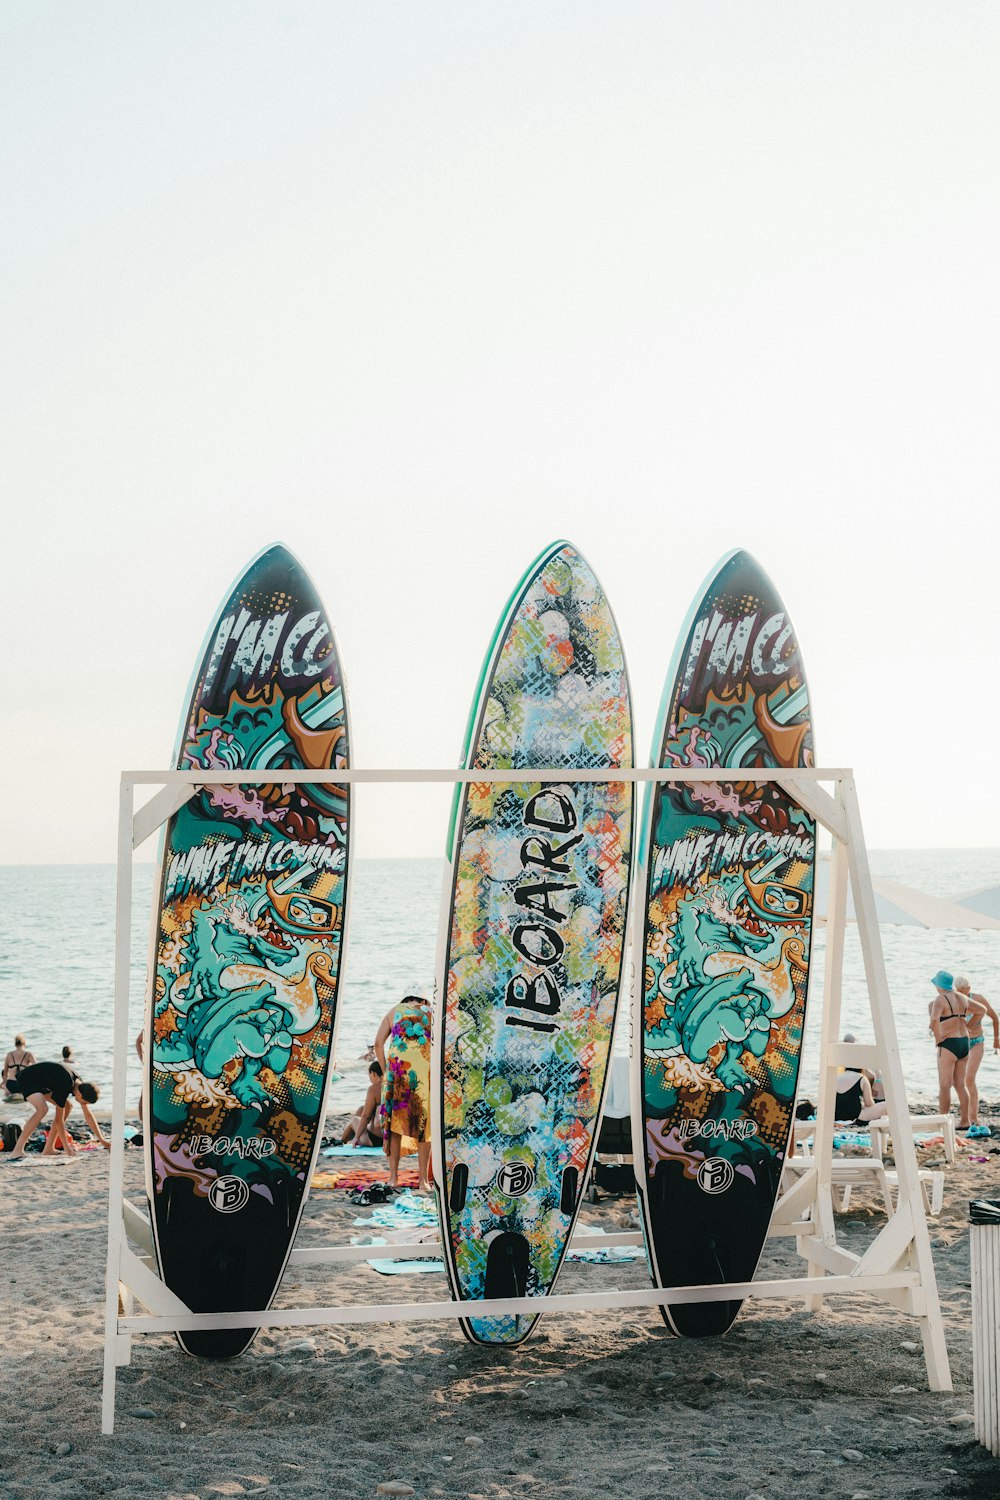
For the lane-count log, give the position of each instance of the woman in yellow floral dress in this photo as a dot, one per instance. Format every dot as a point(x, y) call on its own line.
point(403, 1047)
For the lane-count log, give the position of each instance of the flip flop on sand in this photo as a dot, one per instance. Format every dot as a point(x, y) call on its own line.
point(379, 1192)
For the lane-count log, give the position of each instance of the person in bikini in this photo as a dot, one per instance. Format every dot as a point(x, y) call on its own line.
point(977, 1008)
point(14, 1064)
point(951, 1037)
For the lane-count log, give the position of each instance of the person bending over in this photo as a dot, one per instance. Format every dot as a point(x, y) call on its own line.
point(53, 1083)
point(403, 1047)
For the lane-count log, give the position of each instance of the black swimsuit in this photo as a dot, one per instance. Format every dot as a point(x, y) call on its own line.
point(958, 1046)
point(849, 1103)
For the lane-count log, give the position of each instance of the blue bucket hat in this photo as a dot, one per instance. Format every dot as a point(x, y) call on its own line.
point(943, 980)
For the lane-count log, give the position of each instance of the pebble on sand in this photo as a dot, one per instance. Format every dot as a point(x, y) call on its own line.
point(63, 1450)
point(853, 1455)
point(395, 1487)
point(474, 1442)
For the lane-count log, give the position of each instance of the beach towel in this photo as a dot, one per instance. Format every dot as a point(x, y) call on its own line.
point(356, 1153)
point(406, 1267)
point(605, 1255)
point(409, 1210)
point(362, 1176)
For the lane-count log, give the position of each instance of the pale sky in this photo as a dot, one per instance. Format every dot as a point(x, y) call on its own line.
point(418, 288)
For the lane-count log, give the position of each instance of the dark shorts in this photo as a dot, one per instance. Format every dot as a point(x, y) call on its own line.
point(957, 1045)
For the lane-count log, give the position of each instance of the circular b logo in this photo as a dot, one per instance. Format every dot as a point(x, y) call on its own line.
point(228, 1194)
point(715, 1174)
point(515, 1178)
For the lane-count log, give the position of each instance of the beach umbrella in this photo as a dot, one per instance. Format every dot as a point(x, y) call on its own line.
point(984, 902)
point(899, 905)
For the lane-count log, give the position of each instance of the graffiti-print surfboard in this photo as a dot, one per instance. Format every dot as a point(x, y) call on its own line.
point(251, 902)
point(727, 869)
point(533, 935)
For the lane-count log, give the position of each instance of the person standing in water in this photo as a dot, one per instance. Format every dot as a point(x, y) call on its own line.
point(951, 1037)
point(403, 1049)
point(977, 1008)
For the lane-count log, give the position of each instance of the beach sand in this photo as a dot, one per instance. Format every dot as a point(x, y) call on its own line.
point(594, 1404)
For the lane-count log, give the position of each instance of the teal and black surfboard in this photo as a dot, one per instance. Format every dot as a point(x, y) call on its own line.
point(727, 873)
point(533, 936)
point(251, 904)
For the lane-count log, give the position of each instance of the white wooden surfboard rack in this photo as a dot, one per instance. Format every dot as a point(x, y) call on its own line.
point(896, 1269)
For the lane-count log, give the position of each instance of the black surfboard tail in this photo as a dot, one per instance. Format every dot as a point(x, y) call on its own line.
point(217, 1343)
point(703, 1320)
point(692, 1242)
point(508, 1264)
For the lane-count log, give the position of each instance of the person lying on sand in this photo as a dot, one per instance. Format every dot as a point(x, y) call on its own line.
point(48, 1083)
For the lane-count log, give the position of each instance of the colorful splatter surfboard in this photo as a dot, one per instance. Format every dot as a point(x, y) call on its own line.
point(533, 937)
point(727, 871)
point(251, 901)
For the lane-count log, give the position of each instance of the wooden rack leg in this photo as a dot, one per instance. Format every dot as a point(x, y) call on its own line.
point(910, 1195)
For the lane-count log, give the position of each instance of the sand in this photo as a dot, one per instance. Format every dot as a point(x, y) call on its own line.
point(788, 1404)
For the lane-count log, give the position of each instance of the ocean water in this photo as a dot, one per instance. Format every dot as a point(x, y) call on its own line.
point(57, 962)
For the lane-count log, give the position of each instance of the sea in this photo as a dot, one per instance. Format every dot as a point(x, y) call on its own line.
point(57, 963)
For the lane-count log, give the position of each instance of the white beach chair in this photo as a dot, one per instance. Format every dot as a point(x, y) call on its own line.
point(849, 1172)
point(881, 1131)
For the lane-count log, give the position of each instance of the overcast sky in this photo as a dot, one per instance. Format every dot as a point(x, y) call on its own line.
point(418, 288)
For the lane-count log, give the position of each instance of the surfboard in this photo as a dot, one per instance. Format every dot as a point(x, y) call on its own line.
point(533, 933)
point(250, 911)
point(727, 874)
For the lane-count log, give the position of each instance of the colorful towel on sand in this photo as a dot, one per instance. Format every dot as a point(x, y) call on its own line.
point(851, 1138)
point(356, 1153)
point(362, 1176)
point(412, 1210)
